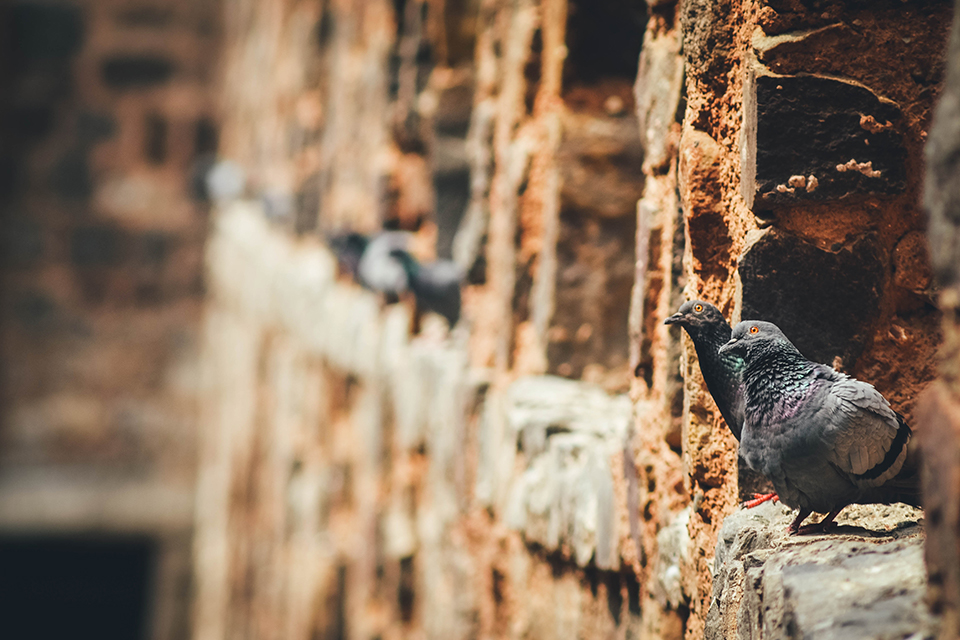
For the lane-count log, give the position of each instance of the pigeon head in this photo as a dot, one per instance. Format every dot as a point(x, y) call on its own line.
point(695, 315)
point(350, 242)
point(754, 337)
point(349, 248)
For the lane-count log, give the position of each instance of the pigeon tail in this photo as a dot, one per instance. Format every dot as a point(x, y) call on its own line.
point(893, 454)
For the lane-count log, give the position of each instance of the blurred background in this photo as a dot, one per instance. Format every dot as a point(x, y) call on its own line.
point(109, 113)
point(214, 427)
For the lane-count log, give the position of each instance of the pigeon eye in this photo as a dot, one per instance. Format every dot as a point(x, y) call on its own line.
point(698, 308)
point(754, 329)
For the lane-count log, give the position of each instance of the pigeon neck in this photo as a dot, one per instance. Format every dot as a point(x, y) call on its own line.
point(771, 374)
point(410, 266)
point(707, 341)
point(721, 372)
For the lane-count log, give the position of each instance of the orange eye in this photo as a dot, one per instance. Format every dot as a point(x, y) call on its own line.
point(754, 329)
point(698, 308)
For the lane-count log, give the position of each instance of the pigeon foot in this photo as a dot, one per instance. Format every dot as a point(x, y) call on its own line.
point(824, 526)
point(760, 498)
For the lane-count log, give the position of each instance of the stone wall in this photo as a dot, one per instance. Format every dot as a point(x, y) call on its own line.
point(552, 466)
point(938, 410)
point(775, 225)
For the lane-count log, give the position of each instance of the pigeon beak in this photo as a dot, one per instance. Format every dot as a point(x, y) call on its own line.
point(730, 346)
point(676, 318)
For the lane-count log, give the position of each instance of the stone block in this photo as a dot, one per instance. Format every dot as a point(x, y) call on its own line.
point(826, 302)
point(658, 95)
point(95, 245)
point(865, 580)
point(814, 138)
point(673, 544)
point(126, 71)
point(569, 432)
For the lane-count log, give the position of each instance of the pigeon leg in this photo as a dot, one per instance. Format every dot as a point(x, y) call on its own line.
point(820, 527)
point(758, 499)
point(795, 525)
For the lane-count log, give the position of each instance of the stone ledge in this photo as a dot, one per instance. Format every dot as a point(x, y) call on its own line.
point(866, 579)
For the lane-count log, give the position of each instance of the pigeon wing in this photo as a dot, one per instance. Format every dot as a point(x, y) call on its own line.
point(864, 437)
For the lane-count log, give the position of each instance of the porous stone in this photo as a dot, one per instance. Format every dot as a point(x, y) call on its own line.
point(824, 301)
point(569, 431)
point(838, 136)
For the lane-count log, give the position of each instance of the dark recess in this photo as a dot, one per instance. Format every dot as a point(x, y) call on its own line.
point(604, 40)
point(136, 72)
point(53, 588)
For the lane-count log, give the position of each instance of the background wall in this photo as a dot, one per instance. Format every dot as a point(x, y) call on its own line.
point(613, 160)
point(108, 111)
point(180, 374)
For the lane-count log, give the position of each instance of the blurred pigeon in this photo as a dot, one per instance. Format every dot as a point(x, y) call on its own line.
point(225, 181)
point(709, 331)
point(349, 248)
point(435, 284)
point(378, 270)
point(824, 439)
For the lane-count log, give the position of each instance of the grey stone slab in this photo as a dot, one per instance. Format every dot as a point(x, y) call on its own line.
point(865, 580)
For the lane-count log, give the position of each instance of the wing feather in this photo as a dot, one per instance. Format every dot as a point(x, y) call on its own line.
point(863, 436)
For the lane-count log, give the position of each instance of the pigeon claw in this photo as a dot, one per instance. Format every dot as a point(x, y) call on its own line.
point(760, 498)
point(824, 526)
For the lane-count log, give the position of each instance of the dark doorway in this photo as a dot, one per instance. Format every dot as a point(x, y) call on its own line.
point(53, 587)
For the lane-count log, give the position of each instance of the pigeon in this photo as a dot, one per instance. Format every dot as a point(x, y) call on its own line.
point(378, 270)
point(225, 181)
point(436, 285)
point(824, 439)
point(709, 331)
point(349, 248)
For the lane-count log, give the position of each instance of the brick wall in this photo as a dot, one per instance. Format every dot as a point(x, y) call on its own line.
point(553, 466)
point(108, 114)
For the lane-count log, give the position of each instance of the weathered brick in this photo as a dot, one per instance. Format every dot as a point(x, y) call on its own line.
point(131, 71)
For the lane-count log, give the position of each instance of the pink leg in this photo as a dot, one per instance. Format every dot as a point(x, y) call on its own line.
point(760, 498)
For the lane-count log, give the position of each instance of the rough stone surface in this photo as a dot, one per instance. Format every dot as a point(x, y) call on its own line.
point(864, 580)
point(440, 485)
point(887, 330)
point(101, 121)
point(568, 434)
point(829, 311)
point(939, 432)
point(405, 408)
point(816, 138)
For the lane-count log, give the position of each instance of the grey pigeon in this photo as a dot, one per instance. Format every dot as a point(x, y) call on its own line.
point(378, 270)
point(436, 285)
point(825, 440)
point(225, 181)
point(709, 331)
point(349, 248)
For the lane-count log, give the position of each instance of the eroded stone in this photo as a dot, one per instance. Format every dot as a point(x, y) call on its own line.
point(824, 301)
point(840, 137)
